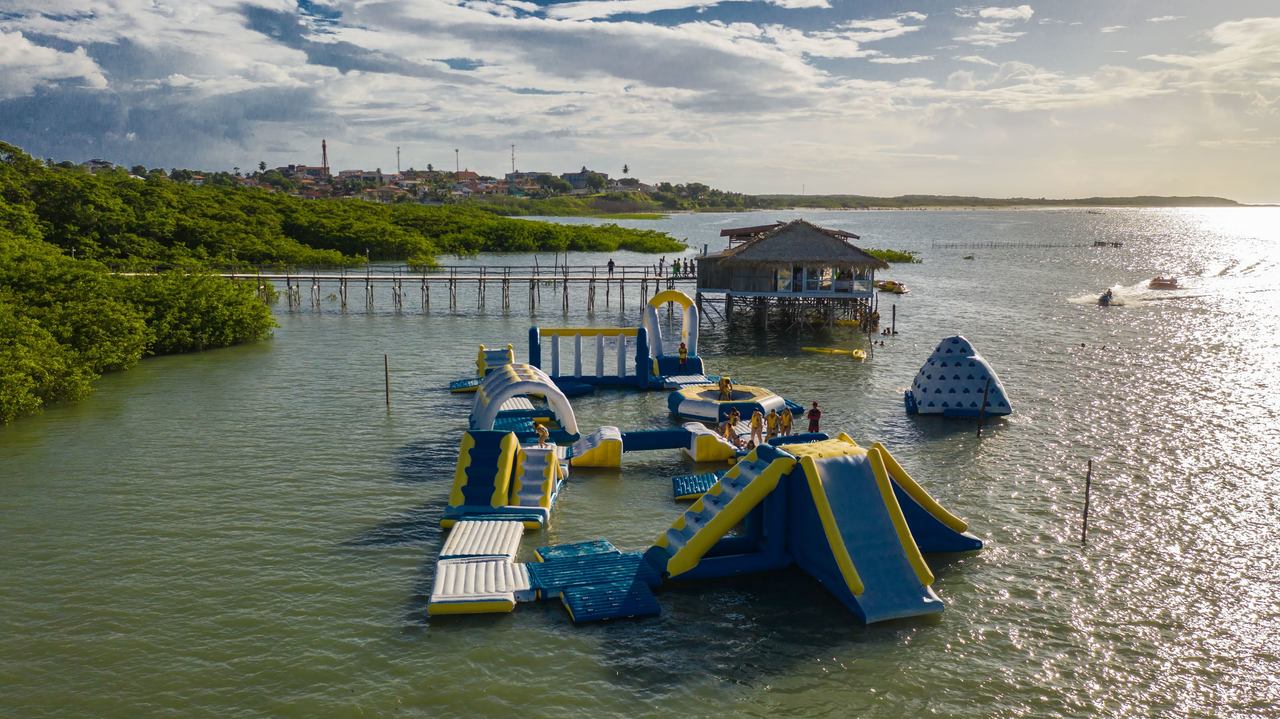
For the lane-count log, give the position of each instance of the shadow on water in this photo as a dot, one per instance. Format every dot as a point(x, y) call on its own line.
point(743, 630)
point(417, 525)
point(426, 460)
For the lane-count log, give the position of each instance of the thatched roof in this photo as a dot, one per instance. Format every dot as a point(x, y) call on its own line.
point(800, 243)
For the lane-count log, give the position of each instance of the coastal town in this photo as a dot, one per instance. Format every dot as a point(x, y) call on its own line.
point(430, 186)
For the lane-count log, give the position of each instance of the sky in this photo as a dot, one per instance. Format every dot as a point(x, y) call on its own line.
point(1069, 98)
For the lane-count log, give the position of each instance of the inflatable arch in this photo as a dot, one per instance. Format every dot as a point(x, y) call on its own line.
point(688, 324)
point(514, 380)
point(664, 352)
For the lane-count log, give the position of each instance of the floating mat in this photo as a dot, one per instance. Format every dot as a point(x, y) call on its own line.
point(692, 486)
point(531, 517)
point(680, 380)
point(615, 600)
point(478, 586)
point(464, 385)
point(472, 538)
point(575, 549)
point(553, 576)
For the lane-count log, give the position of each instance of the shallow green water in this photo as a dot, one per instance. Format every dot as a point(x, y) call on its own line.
point(249, 532)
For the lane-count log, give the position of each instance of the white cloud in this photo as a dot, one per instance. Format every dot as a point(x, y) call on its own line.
point(24, 66)
point(599, 9)
point(593, 9)
point(882, 28)
point(1021, 12)
point(976, 60)
point(1113, 28)
point(902, 60)
point(800, 4)
point(1166, 18)
point(995, 24)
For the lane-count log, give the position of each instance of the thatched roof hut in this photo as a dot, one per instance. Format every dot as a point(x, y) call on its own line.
point(791, 258)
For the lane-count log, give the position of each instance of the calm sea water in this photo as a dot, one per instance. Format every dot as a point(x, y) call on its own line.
point(249, 532)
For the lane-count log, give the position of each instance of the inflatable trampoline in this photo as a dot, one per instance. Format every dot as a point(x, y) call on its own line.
point(702, 402)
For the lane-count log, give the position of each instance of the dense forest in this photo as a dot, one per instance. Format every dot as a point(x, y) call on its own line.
point(67, 316)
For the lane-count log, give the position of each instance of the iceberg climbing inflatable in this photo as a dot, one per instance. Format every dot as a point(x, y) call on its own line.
point(953, 382)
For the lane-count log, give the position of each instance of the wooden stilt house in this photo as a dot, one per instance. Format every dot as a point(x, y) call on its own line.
point(807, 273)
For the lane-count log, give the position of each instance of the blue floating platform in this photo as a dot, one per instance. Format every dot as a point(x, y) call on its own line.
point(514, 424)
point(692, 486)
point(465, 385)
point(575, 549)
point(614, 600)
point(553, 576)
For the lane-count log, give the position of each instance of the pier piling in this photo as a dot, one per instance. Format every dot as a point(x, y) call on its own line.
point(1084, 525)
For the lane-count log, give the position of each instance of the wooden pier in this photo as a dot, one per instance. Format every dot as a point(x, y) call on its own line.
point(644, 280)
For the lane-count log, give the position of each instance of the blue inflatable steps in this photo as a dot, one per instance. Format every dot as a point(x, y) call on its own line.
point(692, 486)
point(595, 581)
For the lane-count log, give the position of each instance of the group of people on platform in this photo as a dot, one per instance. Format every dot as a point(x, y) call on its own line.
point(764, 427)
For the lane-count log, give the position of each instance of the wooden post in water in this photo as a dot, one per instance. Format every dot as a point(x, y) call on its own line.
point(1084, 526)
point(982, 411)
point(386, 376)
point(893, 327)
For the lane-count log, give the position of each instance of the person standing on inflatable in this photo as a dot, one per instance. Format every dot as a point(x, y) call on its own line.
point(814, 414)
point(771, 423)
point(757, 427)
point(784, 422)
point(726, 389)
point(684, 356)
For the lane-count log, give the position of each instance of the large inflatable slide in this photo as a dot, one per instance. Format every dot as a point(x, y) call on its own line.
point(849, 516)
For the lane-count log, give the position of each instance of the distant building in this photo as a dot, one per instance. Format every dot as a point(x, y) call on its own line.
point(296, 171)
point(525, 178)
point(465, 176)
point(373, 176)
point(579, 180)
point(96, 165)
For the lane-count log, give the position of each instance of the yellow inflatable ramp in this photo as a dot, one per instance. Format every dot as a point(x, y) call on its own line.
point(718, 511)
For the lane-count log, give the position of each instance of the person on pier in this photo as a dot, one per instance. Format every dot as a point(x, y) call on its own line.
point(610, 266)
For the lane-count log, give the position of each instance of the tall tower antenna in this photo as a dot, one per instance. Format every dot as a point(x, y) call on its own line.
point(457, 167)
point(397, 159)
point(513, 158)
point(324, 157)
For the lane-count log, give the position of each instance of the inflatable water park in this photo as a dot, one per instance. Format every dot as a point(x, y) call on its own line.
point(848, 514)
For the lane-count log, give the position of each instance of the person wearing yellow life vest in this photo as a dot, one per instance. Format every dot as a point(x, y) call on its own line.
point(757, 427)
point(771, 424)
point(543, 434)
point(684, 356)
point(784, 423)
point(726, 389)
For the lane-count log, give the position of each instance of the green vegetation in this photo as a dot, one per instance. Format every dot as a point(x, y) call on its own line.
point(697, 197)
point(900, 256)
point(66, 317)
point(863, 202)
point(64, 322)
